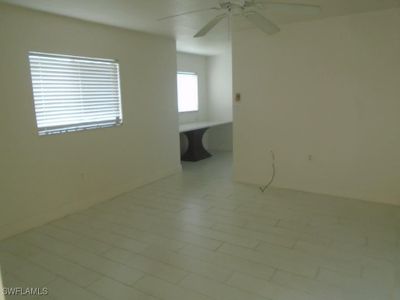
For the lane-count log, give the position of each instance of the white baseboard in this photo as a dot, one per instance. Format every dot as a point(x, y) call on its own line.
point(26, 222)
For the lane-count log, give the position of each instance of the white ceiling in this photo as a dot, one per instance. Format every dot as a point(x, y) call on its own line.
point(143, 15)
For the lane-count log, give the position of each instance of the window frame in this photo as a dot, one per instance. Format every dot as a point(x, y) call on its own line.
point(77, 126)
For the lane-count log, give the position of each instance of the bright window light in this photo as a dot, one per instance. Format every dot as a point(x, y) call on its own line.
point(188, 92)
point(74, 93)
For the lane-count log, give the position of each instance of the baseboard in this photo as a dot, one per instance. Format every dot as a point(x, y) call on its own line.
point(349, 197)
point(26, 223)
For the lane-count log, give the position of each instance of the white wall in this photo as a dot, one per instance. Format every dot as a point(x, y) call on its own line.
point(329, 89)
point(220, 86)
point(42, 178)
point(220, 100)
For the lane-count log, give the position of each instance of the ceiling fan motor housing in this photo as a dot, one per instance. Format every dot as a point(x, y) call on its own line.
point(241, 3)
point(234, 7)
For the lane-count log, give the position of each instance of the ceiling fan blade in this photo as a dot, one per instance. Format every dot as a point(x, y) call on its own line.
point(286, 7)
point(189, 13)
point(210, 25)
point(262, 23)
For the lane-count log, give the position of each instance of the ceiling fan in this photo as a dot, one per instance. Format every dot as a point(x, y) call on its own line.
point(250, 10)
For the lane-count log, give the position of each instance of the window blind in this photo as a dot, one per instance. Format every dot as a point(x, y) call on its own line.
point(74, 93)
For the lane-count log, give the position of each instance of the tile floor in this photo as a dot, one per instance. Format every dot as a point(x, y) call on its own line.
point(198, 236)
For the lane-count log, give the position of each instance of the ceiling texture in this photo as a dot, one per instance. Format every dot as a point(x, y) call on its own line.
point(143, 15)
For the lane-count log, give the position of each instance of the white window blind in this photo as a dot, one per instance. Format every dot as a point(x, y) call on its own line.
point(74, 93)
point(188, 92)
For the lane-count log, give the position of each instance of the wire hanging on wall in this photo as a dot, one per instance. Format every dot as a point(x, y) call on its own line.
point(265, 187)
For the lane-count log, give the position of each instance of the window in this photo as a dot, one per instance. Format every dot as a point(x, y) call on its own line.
point(74, 93)
point(188, 92)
